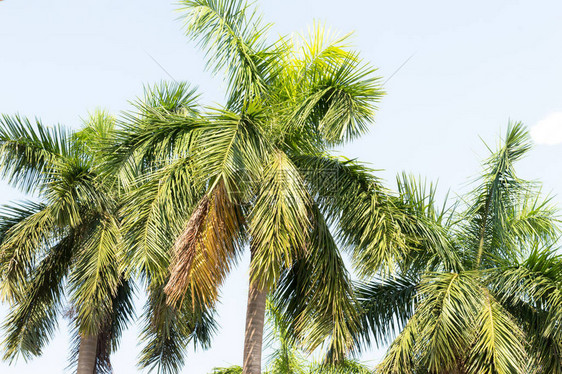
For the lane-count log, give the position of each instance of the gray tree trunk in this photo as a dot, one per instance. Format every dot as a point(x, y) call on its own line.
point(87, 354)
point(253, 338)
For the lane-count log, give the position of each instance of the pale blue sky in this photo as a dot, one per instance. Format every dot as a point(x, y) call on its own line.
point(476, 64)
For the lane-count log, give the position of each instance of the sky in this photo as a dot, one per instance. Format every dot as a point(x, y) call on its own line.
point(471, 67)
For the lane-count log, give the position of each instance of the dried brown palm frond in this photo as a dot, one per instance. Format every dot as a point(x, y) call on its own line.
point(205, 251)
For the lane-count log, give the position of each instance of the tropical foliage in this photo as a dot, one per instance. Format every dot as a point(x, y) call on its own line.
point(173, 193)
point(498, 309)
point(65, 241)
point(62, 253)
point(257, 173)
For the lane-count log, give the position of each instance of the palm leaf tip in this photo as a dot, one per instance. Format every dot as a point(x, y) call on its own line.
point(29, 150)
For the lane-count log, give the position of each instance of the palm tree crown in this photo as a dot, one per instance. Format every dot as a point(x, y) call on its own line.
point(65, 241)
point(68, 242)
point(497, 309)
point(257, 173)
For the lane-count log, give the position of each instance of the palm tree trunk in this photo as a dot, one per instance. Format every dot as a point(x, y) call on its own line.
point(87, 354)
point(253, 338)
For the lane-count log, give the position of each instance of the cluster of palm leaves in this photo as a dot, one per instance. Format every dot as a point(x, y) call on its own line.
point(496, 309)
point(65, 242)
point(63, 252)
point(170, 195)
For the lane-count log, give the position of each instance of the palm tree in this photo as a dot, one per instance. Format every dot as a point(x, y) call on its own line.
point(67, 241)
point(257, 173)
point(498, 309)
point(69, 236)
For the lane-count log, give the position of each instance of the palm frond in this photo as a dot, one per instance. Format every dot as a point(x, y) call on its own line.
point(32, 320)
point(32, 229)
point(233, 37)
point(27, 151)
point(168, 331)
point(347, 366)
point(161, 124)
point(531, 292)
point(155, 206)
point(430, 226)
point(402, 357)
point(381, 230)
point(496, 196)
point(109, 332)
point(317, 298)
point(205, 251)
point(499, 345)
point(448, 307)
point(74, 189)
point(279, 221)
point(339, 99)
point(232, 149)
point(286, 357)
point(96, 277)
point(96, 132)
point(534, 218)
point(386, 306)
point(121, 316)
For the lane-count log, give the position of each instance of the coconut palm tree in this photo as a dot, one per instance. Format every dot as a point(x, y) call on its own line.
point(496, 311)
point(257, 173)
point(67, 241)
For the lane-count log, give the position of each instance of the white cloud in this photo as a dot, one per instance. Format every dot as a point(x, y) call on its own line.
point(548, 130)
